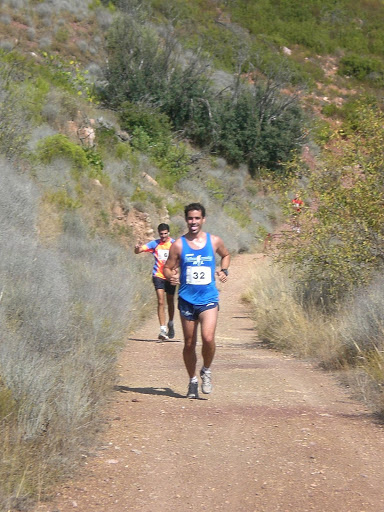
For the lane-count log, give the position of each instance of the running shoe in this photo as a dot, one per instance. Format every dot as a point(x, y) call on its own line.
point(163, 335)
point(171, 331)
point(206, 381)
point(193, 390)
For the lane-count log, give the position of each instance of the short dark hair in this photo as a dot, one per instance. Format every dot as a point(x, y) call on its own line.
point(162, 227)
point(194, 206)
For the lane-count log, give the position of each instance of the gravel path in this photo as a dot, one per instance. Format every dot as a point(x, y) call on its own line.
point(275, 435)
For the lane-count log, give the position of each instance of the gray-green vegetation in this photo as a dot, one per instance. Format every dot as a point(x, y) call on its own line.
point(116, 111)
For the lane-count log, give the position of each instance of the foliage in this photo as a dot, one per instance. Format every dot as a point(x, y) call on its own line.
point(13, 110)
point(71, 73)
point(322, 26)
point(350, 112)
point(83, 159)
point(341, 241)
point(62, 199)
point(153, 122)
point(259, 126)
point(151, 72)
point(239, 215)
point(64, 311)
point(362, 68)
point(351, 338)
point(59, 146)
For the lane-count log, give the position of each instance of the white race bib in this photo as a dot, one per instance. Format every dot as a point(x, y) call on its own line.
point(163, 254)
point(198, 275)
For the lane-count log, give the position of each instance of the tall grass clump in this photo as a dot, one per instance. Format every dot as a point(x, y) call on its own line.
point(361, 332)
point(13, 131)
point(63, 313)
point(351, 340)
point(282, 318)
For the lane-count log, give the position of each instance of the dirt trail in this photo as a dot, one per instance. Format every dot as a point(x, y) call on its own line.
point(275, 435)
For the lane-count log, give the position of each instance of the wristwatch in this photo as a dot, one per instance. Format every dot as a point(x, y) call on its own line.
point(225, 270)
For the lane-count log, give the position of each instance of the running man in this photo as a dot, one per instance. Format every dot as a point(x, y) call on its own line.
point(160, 250)
point(191, 263)
point(297, 204)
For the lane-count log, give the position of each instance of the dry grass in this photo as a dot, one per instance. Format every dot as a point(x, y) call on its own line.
point(281, 319)
point(351, 340)
point(65, 308)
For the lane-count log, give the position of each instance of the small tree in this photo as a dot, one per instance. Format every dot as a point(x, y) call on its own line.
point(341, 243)
point(144, 67)
point(259, 125)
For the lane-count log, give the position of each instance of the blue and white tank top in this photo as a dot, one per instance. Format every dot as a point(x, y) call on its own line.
point(197, 274)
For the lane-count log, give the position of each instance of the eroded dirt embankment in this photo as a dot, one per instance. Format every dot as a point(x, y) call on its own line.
point(275, 435)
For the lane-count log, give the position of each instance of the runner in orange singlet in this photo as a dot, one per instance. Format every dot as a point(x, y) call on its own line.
point(297, 205)
point(160, 250)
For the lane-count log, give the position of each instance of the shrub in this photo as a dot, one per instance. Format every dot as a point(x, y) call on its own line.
point(350, 339)
point(62, 199)
point(255, 125)
point(13, 114)
point(340, 245)
point(151, 121)
point(260, 127)
point(59, 146)
point(151, 72)
point(362, 68)
point(283, 319)
point(64, 311)
point(330, 110)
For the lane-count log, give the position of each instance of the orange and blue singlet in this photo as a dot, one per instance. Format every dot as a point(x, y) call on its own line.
point(160, 251)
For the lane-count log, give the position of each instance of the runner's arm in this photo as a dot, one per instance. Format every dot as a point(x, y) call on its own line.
point(138, 249)
point(148, 247)
point(171, 266)
point(225, 258)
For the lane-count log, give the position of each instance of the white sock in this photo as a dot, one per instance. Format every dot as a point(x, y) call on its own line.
point(163, 327)
point(194, 379)
point(204, 369)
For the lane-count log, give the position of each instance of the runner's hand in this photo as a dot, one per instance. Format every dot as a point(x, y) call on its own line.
point(222, 277)
point(175, 279)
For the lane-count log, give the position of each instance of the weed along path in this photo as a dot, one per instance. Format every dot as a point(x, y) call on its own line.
point(275, 435)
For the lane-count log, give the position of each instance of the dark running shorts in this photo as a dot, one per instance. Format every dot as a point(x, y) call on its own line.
point(163, 284)
point(192, 311)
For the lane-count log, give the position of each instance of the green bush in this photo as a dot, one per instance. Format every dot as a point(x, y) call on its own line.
point(59, 146)
point(351, 111)
point(330, 110)
point(260, 127)
point(341, 244)
point(62, 199)
point(145, 69)
point(138, 115)
point(362, 68)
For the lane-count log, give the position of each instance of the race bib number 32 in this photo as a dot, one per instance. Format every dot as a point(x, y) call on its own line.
point(198, 275)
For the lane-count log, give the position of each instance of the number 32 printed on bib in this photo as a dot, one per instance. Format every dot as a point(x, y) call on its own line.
point(198, 275)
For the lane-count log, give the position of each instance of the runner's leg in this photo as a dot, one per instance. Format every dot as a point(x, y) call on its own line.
point(208, 321)
point(190, 339)
point(171, 306)
point(160, 306)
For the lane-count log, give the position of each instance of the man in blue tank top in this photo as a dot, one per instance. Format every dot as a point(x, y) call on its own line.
point(191, 264)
